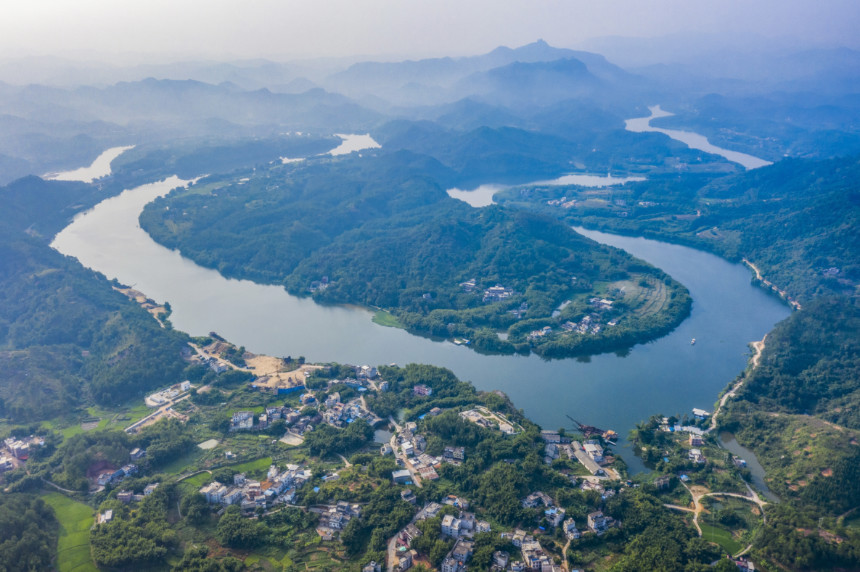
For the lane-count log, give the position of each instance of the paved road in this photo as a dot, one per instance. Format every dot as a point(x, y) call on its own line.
point(758, 347)
point(416, 478)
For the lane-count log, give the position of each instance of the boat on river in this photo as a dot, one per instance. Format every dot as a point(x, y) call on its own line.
point(693, 342)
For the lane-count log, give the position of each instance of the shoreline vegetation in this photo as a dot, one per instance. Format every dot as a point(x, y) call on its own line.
point(400, 244)
point(718, 476)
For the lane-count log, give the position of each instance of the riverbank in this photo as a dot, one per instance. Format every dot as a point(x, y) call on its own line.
point(665, 374)
point(768, 284)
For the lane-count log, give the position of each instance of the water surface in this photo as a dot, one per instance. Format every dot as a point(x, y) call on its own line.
point(483, 196)
point(665, 376)
point(692, 140)
point(757, 473)
point(100, 167)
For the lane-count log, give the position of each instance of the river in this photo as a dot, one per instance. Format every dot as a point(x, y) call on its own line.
point(692, 140)
point(665, 376)
point(100, 167)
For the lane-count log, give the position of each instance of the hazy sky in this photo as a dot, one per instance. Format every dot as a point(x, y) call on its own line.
point(282, 29)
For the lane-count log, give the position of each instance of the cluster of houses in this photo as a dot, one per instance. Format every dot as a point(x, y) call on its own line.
point(519, 312)
point(20, 447)
point(422, 389)
point(163, 397)
point(461, 528)
point(533, 555)
point(563, 202)
point(411, 446)
point(554, 515)
point(590, 324)
point(278, 487)
point(334, 518)
point(483, 417)
point(601, 303)
point(590, 454)
point(125, 497)
point(113, 477)
point(497, 293)
point(319, 285)
point(336, 413)
point(455, 560)
point(538, 334)
point(339, 414)
point(696, 438)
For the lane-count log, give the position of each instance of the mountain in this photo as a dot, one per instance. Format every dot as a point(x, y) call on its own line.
point(430, 81)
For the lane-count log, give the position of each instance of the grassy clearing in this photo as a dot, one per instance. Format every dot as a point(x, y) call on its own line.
point(182, 464)
point(386, 319)
point(722, 537)
point(259, 466)
point(198, 481)
point(76, 519)
point(108, 419)
point(644, 299)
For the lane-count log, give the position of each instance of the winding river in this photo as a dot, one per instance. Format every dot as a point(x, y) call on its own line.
point(610, 391)
point(692, 140)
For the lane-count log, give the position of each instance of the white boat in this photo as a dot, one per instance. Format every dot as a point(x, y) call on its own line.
point(693, 342)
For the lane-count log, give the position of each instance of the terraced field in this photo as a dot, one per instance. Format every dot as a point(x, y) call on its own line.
point(645, 300)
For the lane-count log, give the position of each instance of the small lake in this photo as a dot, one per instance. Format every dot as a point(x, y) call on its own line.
point(666, 376)
point(100, 167)
point(483, 196)
point(728, 441)
point(692, 140)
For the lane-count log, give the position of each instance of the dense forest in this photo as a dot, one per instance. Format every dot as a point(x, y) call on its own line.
point(381, 231)
point(66, 337)
point(811, 364)
point(28, 536)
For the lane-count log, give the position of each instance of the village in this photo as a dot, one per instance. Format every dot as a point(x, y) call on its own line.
point(407, 445)
point(289, 403)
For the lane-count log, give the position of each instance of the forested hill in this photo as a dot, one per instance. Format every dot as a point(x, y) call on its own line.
point(796, 220)
point(381, 231)
point(811, 364)
point(66, 337)
point(799, 411)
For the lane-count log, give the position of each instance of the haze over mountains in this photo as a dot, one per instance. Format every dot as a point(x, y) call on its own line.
point(536, 87)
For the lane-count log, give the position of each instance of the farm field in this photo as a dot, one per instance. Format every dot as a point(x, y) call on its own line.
point(76, 519)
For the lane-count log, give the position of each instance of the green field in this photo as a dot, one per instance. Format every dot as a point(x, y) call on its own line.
point(260, 466)
point(108, 419)
point(387, 319)
point(76, 519)
point(722, 537)
point(645, 300)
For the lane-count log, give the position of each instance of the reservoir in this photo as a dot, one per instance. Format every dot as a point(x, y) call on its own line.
point(667, 376)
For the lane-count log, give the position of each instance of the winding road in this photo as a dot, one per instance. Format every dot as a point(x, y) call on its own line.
point(697, 496)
